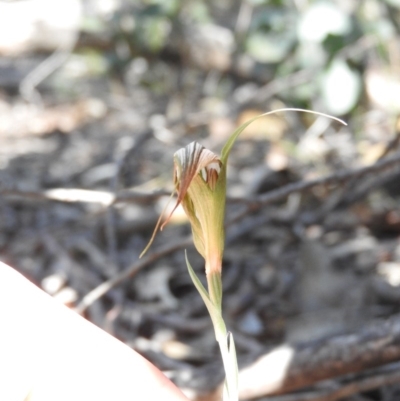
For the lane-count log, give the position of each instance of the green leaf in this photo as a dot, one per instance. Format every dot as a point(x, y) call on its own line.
point(228, 146)
point(269, 47)
point(200, 288)
point(213, 310)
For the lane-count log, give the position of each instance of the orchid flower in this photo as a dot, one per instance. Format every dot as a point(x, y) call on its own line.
point(200, 184)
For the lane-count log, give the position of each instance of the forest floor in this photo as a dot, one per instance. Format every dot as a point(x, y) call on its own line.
point(312, 259)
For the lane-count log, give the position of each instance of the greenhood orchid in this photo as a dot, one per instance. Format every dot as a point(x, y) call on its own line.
point(200, 179)
point(200, 184)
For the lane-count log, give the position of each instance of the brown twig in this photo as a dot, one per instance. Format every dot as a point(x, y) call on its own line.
point(74, 195)
point(253, 205)
point(372, 380)
point(358, 386)
point(121, 156)
point(103, 288)
point(292, 367)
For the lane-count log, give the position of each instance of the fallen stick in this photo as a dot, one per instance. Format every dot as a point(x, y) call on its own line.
point(292, 367)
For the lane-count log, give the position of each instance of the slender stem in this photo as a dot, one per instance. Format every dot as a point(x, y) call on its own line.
point(215, 292)
point(214, 283)
point(230, 365)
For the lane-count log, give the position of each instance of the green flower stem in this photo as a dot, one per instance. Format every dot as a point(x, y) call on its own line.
point(229, 360)
point(214, 283)
point(223, 337)
point(212, 300)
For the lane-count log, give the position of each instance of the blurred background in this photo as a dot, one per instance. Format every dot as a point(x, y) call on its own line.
point(97, 95)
